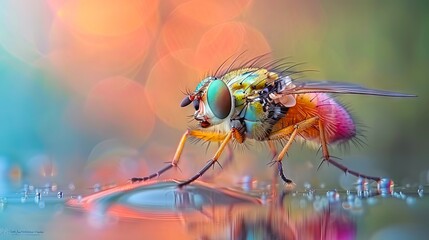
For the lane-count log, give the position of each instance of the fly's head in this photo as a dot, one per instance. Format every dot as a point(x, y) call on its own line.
point(212, 100)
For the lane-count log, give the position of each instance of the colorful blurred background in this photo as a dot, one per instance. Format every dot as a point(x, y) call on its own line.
point(90, 90)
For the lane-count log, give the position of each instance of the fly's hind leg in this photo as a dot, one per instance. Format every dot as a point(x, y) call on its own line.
point(290, 132)
point(204, 135)
point(328, 159)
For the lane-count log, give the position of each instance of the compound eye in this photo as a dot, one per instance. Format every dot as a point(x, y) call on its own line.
point(219, 99)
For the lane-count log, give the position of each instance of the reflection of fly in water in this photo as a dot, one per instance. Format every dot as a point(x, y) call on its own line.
point(265, 103)
point(204, 211)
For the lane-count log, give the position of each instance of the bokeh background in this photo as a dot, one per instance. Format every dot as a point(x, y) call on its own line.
point(90, 90)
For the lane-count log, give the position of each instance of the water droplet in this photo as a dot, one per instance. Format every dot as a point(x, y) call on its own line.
point(360, 181)
point(310, 194)
point(333, 196)
point(97, 187)
point(37, 197)
point(60, 194)
point(367, 193)
point(385, 187)
point(420, 191)
point(307, 185)
point(246, 183)
point(362, 187)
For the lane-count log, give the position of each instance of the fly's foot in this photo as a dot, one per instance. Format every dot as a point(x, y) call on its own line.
point(137, 179)
point(281, 173)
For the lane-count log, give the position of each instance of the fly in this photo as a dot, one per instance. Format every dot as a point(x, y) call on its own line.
point(268, 105)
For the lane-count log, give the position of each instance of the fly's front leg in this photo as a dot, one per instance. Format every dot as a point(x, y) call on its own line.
point(291, 132)
point(213, 160)
point(205, 135)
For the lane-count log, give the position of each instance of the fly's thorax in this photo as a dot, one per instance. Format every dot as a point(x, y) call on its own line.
point(259, 85)
point(245, 84)
point(256, 111)
point(248, 79)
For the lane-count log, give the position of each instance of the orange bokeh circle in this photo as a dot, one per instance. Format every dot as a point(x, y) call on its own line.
point(107, 17)
point(86, 45)
point(167, 81)
point(117, 108)
point(186, 24)
point(228, 40)
point(210, 12)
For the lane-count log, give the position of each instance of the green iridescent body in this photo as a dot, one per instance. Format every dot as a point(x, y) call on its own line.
point(246, 85)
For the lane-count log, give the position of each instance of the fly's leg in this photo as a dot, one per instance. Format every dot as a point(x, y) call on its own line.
point(274, 191)
point(328, 159)
point(227, 161)
point(173, 163)
point(205, 135)
point(212, 161)
point(291, 132)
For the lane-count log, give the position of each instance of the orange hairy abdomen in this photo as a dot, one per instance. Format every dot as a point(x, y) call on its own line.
point(339, 125)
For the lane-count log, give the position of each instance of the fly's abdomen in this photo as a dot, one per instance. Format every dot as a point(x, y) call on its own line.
point(337, 120)
point(338, 123)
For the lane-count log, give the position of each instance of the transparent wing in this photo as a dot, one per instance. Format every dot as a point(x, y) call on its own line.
point(299, 86)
